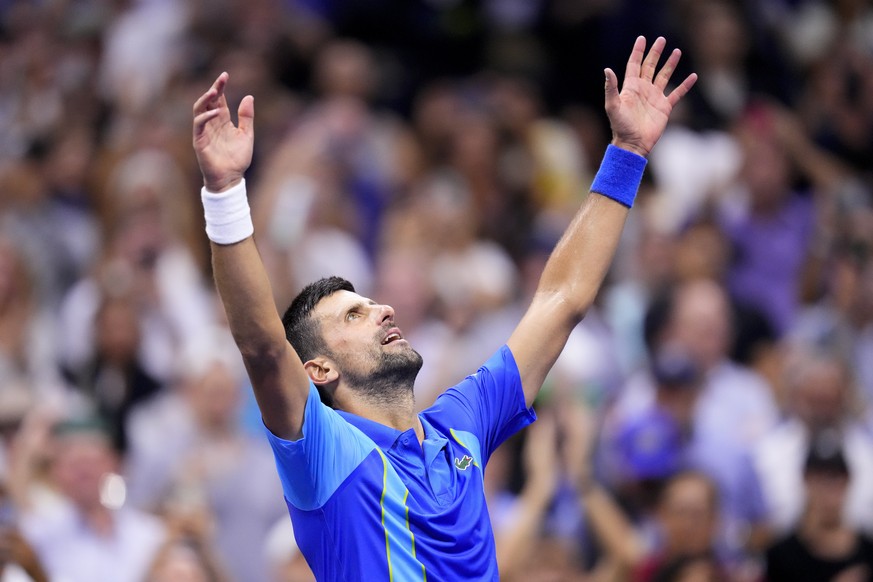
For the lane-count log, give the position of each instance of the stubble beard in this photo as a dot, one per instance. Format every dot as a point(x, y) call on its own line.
point(391, 382)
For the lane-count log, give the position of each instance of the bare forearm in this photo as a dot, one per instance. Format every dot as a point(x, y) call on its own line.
point(582, 257)
point(247, 297)
point(513, 545)
point(277, 375)
point(612, 527)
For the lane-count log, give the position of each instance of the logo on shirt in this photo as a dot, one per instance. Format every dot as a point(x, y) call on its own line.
point(463, 463)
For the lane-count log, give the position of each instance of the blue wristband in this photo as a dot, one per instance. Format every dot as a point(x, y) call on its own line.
point(619, 175)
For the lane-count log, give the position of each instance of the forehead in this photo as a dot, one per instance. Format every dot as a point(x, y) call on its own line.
point(335, 305)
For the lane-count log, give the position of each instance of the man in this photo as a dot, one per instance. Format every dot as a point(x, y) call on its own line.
point(823, 546)
point(375, 491)
point(92, 536)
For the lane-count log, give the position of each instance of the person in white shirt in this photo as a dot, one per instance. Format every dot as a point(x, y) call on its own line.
point(94, 536)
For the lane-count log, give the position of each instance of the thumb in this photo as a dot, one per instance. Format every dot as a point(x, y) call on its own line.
point(611, 99)
point(246, 115)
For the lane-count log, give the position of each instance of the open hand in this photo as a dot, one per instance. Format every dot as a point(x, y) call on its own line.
point(224, 151)
point(639, 113)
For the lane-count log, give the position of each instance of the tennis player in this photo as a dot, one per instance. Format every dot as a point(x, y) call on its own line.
point(376, 491)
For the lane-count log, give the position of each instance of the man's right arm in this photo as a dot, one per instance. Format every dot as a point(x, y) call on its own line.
point(224, 152)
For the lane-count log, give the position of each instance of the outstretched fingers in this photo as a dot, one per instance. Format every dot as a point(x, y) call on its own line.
point(612, 101)
point(246, 115)
point(648, 68)
point(636, 58)
point(214, 95)
point(668, 69)
point(680, 91)
point(201, 120)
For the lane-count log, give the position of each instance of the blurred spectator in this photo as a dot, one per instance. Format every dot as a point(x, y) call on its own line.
point(93, 536)
point(189, 457)
point(735, 404)
point(516, 536)
point(18, 560)
point(822, 546)
point(821, 397)
point(26, 329)
point(653, 446)
point(114, 380)
point(286, 562)
point(143, 52)
point(832, 41)
point(686, 519)
point(45, 236)
point(840, 321)
point(769, 223)
point(185, 559)
point(147, 258)
point(432, 149)
point(734, 63)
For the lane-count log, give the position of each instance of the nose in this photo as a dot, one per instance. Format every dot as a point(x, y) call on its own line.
point(386, 313)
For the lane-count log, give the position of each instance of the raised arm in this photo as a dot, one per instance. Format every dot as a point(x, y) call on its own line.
point(573, 274)
point(224, 152)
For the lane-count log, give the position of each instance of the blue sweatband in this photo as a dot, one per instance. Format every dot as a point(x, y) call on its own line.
point(619, 175)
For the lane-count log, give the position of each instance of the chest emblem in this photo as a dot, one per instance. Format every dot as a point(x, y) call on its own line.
point(463, 463)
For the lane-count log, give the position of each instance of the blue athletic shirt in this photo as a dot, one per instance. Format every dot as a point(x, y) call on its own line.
point(369, 502)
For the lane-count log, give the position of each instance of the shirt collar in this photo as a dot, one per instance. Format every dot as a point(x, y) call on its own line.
point(383, 436)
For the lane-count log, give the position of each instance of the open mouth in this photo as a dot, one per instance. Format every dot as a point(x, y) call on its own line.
point(391, 337)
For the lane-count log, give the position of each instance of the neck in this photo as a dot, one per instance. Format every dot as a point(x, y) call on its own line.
point(828, 539)
point(822, 525)
point(396, 410)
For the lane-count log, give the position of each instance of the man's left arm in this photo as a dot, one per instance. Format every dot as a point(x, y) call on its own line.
point(574, 272)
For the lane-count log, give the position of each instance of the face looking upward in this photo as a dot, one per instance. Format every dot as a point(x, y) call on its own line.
point(366, 348)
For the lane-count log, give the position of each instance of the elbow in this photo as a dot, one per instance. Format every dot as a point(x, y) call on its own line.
point(261, 352)
point(568, 305)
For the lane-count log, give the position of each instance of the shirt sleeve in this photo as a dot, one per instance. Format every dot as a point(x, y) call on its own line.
point(490, 403)
point(314, 466)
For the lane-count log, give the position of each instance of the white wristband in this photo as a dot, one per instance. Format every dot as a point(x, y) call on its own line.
point(228, 218)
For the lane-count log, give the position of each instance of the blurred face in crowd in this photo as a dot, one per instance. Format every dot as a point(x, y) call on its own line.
point(700, 570)
point(345, 69)
point(215, 397)
point(717, 34)
point(702, 252)
point(657, 252)
point(821, 393)
point(14, 280)
point(687, 514)
point(826, 495)
point(766, 172)
point(179, 563)
point(117, 330)
point(701, 322)
point(83, 460)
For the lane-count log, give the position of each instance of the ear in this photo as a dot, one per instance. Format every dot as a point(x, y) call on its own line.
point(321, 371)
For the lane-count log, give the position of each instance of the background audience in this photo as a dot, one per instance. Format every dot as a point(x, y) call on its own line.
point(432, 152)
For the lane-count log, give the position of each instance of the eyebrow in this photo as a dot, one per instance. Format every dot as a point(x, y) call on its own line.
point(357, 306)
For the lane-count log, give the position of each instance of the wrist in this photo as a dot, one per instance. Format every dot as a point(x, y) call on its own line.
point(222, 184)
point(227, 214)
point(620, 174)
point(631, 147)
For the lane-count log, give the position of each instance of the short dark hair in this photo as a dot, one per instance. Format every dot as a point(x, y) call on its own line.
point(825, 455)
point(301, 330)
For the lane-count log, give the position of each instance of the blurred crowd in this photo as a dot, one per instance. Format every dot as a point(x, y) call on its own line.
point(709, 420)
